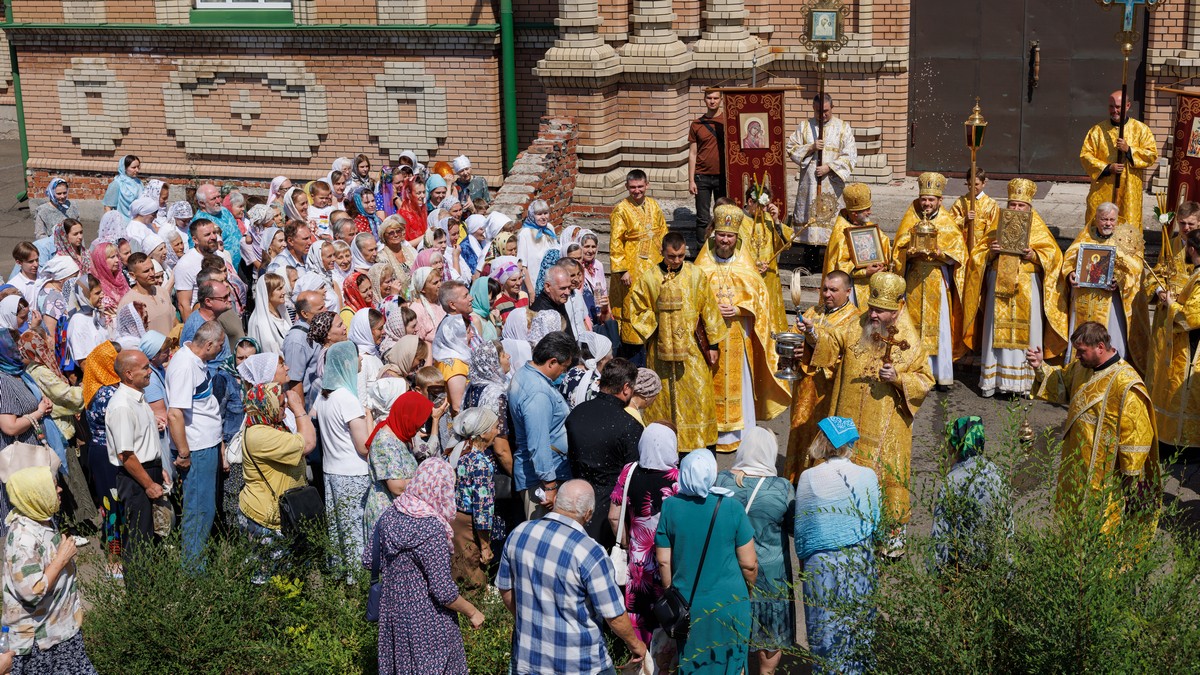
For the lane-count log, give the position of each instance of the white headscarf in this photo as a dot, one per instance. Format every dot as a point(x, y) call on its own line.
point(259, 368)
point(59, 268)
point(599, 345)
point(756, 455)
point(383, 392)
point(8, 311)
point(496, 222)
point(543, 324)
point(268, 329)
point(358, 260)
point(658, 448)
point(516, 325)
point(360, 332)
point(518, 352)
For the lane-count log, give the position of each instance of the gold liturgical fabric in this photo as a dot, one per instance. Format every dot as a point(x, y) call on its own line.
point(837, 257)
point(761, 242)
point(1100, 149)
point(636, 245)
point(1094, 304)
point(1173, 369)
point(924, 279)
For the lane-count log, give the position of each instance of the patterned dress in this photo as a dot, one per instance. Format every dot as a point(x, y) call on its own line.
point(646, 494)
point(417, 633)
point(389, 459)
point(475, 493)
point(104, 474)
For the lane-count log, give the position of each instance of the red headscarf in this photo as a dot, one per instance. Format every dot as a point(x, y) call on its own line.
point(115, 286)
point(351, 296)
point(408, 413)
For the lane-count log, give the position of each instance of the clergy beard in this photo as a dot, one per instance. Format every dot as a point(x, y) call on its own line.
point(868, 335)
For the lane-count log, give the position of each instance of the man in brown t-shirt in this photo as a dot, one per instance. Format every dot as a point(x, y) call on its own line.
point(706, 160)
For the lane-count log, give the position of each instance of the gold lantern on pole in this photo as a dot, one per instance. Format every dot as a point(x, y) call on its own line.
point(975, 128)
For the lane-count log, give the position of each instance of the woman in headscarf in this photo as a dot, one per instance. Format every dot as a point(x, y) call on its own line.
point(383, 285)
point(504, 245)
point(646, 388)
point(279, 185)
point(435, 192)
point(535, 238)
point(131, 320)
point(496, 230)
point(125, 187)
point(106, 266)
point(246, 366)
point(418, 630)
point(974, 501)
point(325, 330)
point(345, 425)
point(769, 501)
point(482, 291)
point(582, 382)
point(360, 175)
point(364, 251)
point(410, 205)
point(407, 355)
point(433, 257)
point(100, 382)
point(42, 608)
point(49, 296)
point(426, 283)
point(56, 209)
point(477, 527)
point(320, 261)
point(295, 205)
point(21, 411)
point(357, 293)
point(176, 244)
point(507, 270)
point(158, 191)
point(390, 460)
point(360, 205)
point(258, 218)
point(269, 322)
point(366, 329)
point(87, 326)
point(719, 634)
point(68, 241)
point(272, 243)
point(487, 387)
point(641, 488)
point(837, 515)
point(475, 247)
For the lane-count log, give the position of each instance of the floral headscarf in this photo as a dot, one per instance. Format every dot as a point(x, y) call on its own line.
point(375, 274)
point(99, 370)
point(129, 320)
point(430, 494)
point(114, 225)
point(351, 296)
point(318, 327)
point(485, 371)
point(153, 190)
point(37, 348)
point(74, 253)
point(966, 436)
point(263, 404)
point(549, 260)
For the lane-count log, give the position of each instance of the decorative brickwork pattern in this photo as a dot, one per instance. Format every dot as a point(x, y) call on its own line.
point(205, 129)
point(402, 12)
point(545, 170)
point(172, 12)
point(408, 110)
point(93, 104)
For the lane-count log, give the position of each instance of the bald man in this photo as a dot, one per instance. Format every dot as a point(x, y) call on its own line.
point(1105, 158)
point(556, 290)
point(134, 449)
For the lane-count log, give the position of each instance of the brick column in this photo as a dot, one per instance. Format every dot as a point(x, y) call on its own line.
point(725, 42)
point(653, 46)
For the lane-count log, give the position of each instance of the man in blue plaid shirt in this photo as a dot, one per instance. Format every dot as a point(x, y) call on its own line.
point(555, 579)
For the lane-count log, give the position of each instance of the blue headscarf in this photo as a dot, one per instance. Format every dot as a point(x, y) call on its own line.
point(531, 222)
point(432, 183)
point(356, 193)
point(341, 368)
point(64, 204)
point(231, 234)
point(549, 260)
point(125, 189)
point(698, 474)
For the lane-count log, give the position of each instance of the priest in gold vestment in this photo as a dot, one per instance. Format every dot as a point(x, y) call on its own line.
point(744, 385)
point(638, 226)
point(930, 253)
point(1104, 157)
point(1111, 307)
point(987, 210)
point(1011, 303)
point(882, 398)
point(838, 254)
point(810, 399)
point(672, 311)
point(1109, 432)
point(1174, 367)
point(763, 238)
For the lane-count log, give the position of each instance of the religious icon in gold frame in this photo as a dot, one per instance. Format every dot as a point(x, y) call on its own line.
point(1013, 231)
point(825, 25)
point(866, 246)
point(1094, 266)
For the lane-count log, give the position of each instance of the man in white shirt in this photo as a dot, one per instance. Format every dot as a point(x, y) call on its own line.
point(142, 213)
point(26, 276)
point(194, 421)
point(205, 235)
point(297, 238)
point(134, 449)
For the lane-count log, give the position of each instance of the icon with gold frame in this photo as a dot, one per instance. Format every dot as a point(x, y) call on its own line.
point(825, 25)
point(866, 246)
point(1094, 266)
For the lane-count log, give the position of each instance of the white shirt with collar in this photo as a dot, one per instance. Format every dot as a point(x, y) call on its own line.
point(131, 426)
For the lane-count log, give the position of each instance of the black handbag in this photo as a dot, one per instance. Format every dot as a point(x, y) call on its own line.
point(376, 590)
point(301, 511)
point(673, 613)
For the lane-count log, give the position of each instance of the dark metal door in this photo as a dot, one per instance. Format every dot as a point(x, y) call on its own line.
point(1043, 70)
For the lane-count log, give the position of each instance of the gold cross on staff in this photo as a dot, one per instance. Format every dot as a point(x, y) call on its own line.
point(890, 341)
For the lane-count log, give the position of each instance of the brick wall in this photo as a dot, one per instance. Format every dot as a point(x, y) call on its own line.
point(545, 170)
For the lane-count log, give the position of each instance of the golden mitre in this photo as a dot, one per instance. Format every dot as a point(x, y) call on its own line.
point(1021, 190)
point(887, 289)
point(931, 184)
point(857, 196)
point(727, 218)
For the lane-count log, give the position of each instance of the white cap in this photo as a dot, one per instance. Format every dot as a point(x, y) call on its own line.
point(461, 162)
point(143, 206)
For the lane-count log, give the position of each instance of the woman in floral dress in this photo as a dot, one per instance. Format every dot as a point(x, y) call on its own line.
point(651, 480)
point(390, 462)
point(476, 526)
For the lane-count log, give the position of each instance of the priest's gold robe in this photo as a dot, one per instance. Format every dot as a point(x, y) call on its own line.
point(883, 411)
point(810, 400)
point(762, 242)
point(1173, 369)
point(636, 245)
point(665, 310)
point(738, 283)
point(1109, 432)
point(1011, 326)
point(1100, 149)
point(987, 212)
point(837, 257)
point(924, 280)
point(1094, 304)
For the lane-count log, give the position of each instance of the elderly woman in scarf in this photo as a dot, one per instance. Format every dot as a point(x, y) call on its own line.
point(345, 425)
point(837, 516)
point(56, 209)
point(535, 238)
point(125, 187)
point(474, 247)
point(646, 388)
point(42, 607)
point(488, 376)
point(582, 382)
point(719, 636)
point(476, 526)
point(973, 509)
point(56, 281)
point(769, 501)
point(176, 244)
point(507, 271)
point(385, 288)
point(641, 488)
point(427, 281)
point(258, 218)
point(391, 462)
point(106, 266)
point(418, 630)
point(100, 382)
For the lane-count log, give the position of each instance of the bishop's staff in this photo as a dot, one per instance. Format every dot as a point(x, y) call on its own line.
point(1126, 37)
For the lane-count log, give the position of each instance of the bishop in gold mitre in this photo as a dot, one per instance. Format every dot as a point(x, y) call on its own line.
point(838, 253)
point(744, 385)
point(763, 238)
point(811, 397)
point(1111, 307)
point(672, 311)
point(930, 253)
point(1109, 431)
point(881, 379)
point(1104, 157)
point(1173, 369)
point(1011, 301)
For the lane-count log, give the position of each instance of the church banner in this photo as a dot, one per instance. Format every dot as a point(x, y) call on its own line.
point(754, 138)
point(1184, 182)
